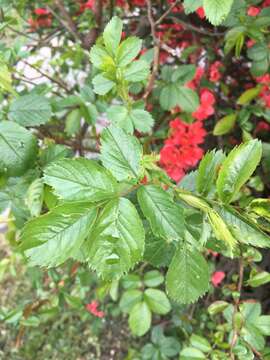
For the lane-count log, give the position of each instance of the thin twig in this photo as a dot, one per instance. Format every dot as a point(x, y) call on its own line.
point(52, 79)
point(156, 51)
point(236, 304)
point(167, 12)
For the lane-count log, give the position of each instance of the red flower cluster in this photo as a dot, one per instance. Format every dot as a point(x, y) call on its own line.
point(265, 92)
point(92, 307)
point(200, 12)
point(181, 150)
point(42, 19)
point(253, 11)
point(215, 74)
point(206, 107)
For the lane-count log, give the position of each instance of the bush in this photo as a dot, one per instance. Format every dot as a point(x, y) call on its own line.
point(134, 167)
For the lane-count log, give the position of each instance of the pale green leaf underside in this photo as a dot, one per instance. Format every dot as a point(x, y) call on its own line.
point(244, 230)
point(165, 216)
point(116, 243)
point(188, 276)
point(51, 239)
point(80, 180)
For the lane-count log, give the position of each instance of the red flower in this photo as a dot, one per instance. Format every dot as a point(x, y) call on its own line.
point(262, 126)
point(217, 278)
point(92, 307)
point(215, 74)
point(181, 150)
point(253, 11)
point(41, 12)
point(200, 12)
point(206, 108)
point(89, 4)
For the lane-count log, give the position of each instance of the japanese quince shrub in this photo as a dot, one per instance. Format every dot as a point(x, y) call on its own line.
point(117, 195)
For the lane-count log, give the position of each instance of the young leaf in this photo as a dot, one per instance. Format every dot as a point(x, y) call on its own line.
point(112, 34)
point(243, 229)
point(30, 110)
point(157, 301)
point(249, 95)
point(189, 353)
point(208, 171)
point(188, 275)
point(51, 239)
point(217, 10)
point(237, 169)
point(80, 180)
point(116, 243)
point(225, 125)
point(128, 50)
point(6, 79)
point(137, 71)
point(100, 57)
point(165, 217)
point(120, 153)
point(18, 149)
point(140, 319)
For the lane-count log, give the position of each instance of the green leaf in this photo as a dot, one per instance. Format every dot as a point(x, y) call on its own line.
point(169, 346)
point(190, 353)
point(243, 229)
point(157, 251)
point(131, 281)
point(102, 85)
point(260, 207)
point(188, 99)
point(259, 279)
point(262, 323)
point(30, 110)
point(128, 50)
point(200, 343)
point(18, 149)
point(112, 34)
point(100, 57)
point(157, 301)
point(217, 10)
point(51, 239)
point(34, 197)
point(249, 95)
point(142, 120)
point(165, 217)
point(237, 169)
point(116, 243)
point(208, 171)
point(140, 319)
point(137, 71)
point(6, 79)
point(225, 125)
point(217, 307)
point(129, 299)
point(172, 95)
point(73, 122)
point(184, 73)
point(188, 275)
point(153, 278)
point(120, 153)
point(80, 180)
point(191, 5)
